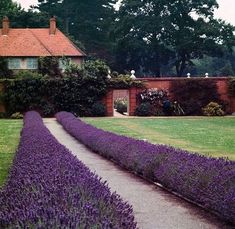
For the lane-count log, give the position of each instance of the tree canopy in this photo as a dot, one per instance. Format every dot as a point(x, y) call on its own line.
point(154, 37)
point(154, 33)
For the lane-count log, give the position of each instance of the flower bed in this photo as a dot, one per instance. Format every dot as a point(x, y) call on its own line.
point(207, 181)
point(48, 187)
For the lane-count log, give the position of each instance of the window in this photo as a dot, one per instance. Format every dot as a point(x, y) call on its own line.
point(32, 63)
point(14, 63)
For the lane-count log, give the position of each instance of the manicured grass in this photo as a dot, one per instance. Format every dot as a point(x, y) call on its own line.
point(9, 139)
point(209, 136)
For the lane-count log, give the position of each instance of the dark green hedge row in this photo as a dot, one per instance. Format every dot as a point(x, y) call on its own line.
point(49, 96)
point(79, 95)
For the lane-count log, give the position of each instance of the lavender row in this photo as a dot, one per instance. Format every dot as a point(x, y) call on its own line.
point(50, 188)
point(207, 181)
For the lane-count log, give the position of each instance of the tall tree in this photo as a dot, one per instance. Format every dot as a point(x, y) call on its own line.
point(7, 7)
point(170, 30)
point(86, 21)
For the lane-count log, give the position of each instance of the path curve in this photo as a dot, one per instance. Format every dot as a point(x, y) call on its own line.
point(153, 207)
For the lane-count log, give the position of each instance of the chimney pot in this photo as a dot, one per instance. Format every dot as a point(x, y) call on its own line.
point(5, 25)
point(53, 25)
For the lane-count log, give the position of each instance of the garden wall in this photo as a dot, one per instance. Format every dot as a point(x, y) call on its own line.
point(165, 83)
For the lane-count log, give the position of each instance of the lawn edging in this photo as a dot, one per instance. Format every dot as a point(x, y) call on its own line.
point(207, 181)
point(48, 187)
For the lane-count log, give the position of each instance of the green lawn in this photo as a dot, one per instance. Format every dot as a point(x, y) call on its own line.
point(9, 139)
point(208, 136)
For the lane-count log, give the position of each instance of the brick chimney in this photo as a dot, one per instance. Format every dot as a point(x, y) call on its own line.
point(5, 25)
point(52, 26)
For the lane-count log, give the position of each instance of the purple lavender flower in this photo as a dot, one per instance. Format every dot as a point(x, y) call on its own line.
point(205, 180)
point(50, 188)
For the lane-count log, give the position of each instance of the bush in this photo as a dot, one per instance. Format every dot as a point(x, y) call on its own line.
point(207, 181)
point(98, 109)
point(120, 105)
point(26, 74)
point(49, 96)
point(194, 94)
point(213, 109)
point(3, 115)
point(48, 187)
point(144, 109)
point(17, 115)
point(155, 102)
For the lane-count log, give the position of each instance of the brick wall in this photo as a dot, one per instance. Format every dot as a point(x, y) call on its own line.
point(164, 83)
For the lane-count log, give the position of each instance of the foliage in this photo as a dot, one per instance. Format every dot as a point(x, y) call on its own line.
point(98, 109)
point(4, 71)
point(86, 21)
point(124, 83)
point(3, 115)
point(194, 94)
point(207, 181)
point(27, 74)
point(120, 105)
point(17, 115)
point(49, 66)
point(150, 35)
point(231, 87)
point(59, 191)
point(144, 109)
point(213, 109)
point(157, 98)
point(49, 95)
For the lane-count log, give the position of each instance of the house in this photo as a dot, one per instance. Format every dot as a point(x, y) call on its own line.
point(23, 47)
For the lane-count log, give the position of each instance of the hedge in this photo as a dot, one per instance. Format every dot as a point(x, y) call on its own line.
point(48, 187)
point(208, 181)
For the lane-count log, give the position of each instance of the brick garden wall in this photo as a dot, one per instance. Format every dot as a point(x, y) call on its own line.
point(164, 83)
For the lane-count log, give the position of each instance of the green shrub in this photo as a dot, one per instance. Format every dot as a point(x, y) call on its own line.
point(144, 109)
point(50, 95)
point(17, 115)
point(3, 115)
point(231, 87)
point(98, 109)
point(213, 109)
point(194, 94)
point(27, 74)
point(121, 106)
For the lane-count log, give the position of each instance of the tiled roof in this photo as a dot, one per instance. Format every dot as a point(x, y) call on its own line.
point(36, 42)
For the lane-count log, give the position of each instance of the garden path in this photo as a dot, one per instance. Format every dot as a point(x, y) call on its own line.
point(153, 207)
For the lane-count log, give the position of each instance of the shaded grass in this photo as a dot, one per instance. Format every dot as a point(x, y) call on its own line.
point(9, 139)
point(208, 136)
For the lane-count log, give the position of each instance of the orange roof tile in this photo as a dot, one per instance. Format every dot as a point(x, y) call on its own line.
point(36, 42)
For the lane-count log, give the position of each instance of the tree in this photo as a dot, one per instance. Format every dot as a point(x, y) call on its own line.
point(175, 31)
point(8, 7)
point(86, 21)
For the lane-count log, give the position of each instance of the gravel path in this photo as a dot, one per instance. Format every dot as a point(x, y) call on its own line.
point(154, 208)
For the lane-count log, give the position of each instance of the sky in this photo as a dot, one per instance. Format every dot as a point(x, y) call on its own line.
point(225, 11)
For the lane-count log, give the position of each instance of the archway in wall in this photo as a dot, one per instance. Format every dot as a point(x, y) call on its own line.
point(121, 103)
